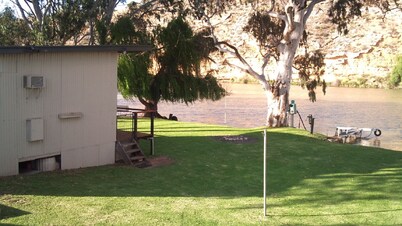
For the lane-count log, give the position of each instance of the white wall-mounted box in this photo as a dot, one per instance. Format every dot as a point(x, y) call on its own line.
point(34, 129)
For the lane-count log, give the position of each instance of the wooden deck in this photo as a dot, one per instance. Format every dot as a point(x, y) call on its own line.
point(134, 134)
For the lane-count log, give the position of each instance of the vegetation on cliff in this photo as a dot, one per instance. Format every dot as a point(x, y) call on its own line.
point(396, 74)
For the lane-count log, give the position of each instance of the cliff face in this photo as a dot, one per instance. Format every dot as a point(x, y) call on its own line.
point(367, 53)
point(364, 56)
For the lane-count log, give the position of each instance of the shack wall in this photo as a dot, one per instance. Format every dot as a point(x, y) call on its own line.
point(77, 84)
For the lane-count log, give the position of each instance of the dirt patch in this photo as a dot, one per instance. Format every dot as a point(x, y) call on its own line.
point(151, 161)
point(241, 139)
point(159, 161)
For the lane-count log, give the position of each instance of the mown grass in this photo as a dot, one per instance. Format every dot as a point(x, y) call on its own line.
point(310, 182)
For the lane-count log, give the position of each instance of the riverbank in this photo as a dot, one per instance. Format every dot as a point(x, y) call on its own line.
point(245, 107)
point(218, 182)
point(353, 81)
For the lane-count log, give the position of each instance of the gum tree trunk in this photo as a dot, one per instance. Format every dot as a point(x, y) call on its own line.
point(278, 94)
point(277, 85)
point(277, 106)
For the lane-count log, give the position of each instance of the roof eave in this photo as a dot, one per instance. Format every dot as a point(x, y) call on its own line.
point(53, 49)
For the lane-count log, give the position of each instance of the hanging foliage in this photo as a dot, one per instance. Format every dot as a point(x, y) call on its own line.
point(310, 68)
point(172, 72)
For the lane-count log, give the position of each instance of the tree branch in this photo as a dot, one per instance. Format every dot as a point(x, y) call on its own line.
point(248, 69)
point(38, 12)
point(143, 101)
point(277, 15)
point(145, 6)
point(79, 39)
point(237, 66)
point(31, 11)
point(265, 63)
point(23, 12)
point(310, 10)
point(232, 50)
point(47, 9)
point(289, 27)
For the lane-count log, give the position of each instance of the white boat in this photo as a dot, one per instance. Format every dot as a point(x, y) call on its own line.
point(351, 134)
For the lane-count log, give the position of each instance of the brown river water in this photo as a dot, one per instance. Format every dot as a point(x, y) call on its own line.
point(351, 107)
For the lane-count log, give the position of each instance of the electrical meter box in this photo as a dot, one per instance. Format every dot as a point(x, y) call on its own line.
point(34, 129)
point(292, 107)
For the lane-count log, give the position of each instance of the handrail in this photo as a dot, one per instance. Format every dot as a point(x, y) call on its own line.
point(131, 110)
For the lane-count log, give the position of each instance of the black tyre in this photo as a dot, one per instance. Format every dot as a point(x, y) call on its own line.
point(377, 132)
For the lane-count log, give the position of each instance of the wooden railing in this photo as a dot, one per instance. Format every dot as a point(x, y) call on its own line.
point(133, 113)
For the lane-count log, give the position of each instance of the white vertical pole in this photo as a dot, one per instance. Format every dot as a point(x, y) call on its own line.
point(225, 111)
point(265, 172)
point(224, 115)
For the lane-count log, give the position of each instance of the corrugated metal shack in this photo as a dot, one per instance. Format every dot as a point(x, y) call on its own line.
point(58, 106)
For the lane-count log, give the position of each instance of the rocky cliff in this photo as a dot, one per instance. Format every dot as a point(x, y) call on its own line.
point(363, 57)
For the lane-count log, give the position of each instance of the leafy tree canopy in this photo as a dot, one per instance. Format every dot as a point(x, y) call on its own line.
point(13, 31)
point(170, 73)
point(56, 22)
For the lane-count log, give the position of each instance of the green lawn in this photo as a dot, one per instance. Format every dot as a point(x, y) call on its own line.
point(310, 182)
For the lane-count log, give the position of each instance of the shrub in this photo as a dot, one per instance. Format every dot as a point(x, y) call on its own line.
point(396, 74)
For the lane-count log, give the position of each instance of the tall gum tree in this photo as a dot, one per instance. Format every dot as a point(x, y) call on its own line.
point(280, 26)
point(61, 22)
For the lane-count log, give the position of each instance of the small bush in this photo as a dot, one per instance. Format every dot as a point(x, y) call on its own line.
point(396, 74)
point(362, 82)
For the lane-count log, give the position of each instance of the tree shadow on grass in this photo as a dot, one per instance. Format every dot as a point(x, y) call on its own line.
point(261, 206)
point(10, 212)
point(336, 214)
point(207, 167)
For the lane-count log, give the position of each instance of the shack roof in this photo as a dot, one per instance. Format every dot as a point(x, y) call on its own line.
point(53, 49)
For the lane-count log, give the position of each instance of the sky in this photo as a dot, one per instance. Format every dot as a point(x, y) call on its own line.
point(4, 3)
point(121, 6)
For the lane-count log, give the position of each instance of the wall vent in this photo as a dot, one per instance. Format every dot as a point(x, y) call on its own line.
point(34, 82)
point(47, 164)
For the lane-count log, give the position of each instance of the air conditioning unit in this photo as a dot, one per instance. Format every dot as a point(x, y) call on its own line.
point(34, 81)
